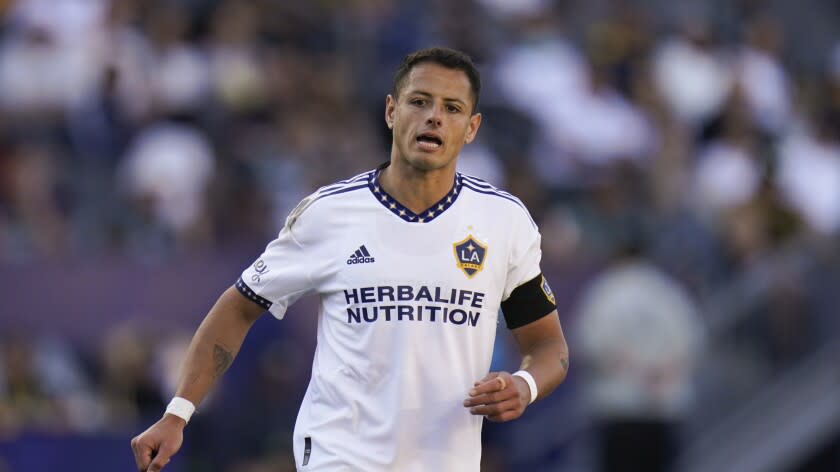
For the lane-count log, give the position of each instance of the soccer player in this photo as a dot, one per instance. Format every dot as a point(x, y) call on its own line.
point(412, 262)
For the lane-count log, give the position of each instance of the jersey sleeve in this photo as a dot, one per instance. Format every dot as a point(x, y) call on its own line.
point(525, 254)
point(284, 271)
point(527, 296)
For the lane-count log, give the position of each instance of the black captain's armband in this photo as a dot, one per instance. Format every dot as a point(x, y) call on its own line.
point(528, 302)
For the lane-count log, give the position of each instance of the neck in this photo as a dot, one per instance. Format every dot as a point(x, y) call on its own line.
point(416, 189)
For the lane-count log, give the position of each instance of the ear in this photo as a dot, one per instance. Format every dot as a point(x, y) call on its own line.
point(472, 129)
point(390, 107)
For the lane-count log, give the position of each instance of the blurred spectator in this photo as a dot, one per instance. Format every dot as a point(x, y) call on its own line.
point(130, 392)
point(51, 61)
point(762, 76)
point(44, 387)
point(36, 224)
point(181, 81)
point(540, 63)
point(236, 67)
point(597, 126)
point(128, 59)
point(39, 75)
point(693, 72)
point(540, 69)
point(23, 403)
point(809, 173)
point(728, 171)
point(65, 20)
point(65, 382)
point(167, 173)
point(639, 335)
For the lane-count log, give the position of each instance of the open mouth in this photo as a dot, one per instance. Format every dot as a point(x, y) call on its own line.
point(429, 141)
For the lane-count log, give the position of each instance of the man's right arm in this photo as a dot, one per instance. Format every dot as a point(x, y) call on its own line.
point(212, 350)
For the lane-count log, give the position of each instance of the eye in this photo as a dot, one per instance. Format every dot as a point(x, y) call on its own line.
point(417, 102)
point(452, 109)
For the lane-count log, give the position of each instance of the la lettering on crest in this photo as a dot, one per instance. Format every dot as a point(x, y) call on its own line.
point(470, 255)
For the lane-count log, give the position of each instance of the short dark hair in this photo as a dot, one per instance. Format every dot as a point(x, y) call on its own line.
point(446, 57)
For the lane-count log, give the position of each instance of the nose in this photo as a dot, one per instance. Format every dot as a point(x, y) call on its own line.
point(434, 118)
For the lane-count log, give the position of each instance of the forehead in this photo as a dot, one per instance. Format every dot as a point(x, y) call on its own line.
point(437, 80)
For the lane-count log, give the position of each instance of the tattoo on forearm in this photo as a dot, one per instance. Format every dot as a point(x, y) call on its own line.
point(222, 359)
point(565, 363)
point(193, 378)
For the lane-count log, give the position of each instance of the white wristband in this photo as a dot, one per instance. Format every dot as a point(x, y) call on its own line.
point(532, 384)
point(181, 407)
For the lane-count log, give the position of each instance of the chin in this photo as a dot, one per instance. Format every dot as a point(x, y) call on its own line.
point(429, 162)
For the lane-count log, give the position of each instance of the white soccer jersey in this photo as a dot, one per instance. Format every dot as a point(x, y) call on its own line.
point(407, 318)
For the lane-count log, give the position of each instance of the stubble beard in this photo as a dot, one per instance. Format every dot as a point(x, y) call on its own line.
point(427, 163)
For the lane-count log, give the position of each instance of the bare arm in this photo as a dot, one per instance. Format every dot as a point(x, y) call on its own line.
point(544, 352)
point(501, 396)
point(216, 343)
point(212, 350)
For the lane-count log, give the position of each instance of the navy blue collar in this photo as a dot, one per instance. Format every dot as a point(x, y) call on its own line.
point(398, 209)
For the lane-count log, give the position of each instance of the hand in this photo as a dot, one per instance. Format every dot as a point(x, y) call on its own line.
point(499, 396)
point(155, 446)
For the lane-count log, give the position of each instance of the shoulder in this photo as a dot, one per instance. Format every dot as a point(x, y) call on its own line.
point(357, 182)
point(491, 194)
point(335, 192)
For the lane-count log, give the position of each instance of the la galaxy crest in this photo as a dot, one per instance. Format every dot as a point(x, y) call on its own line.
point(470, 255)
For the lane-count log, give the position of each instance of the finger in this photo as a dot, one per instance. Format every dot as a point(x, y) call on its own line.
point(157, 464)
point(497, 384)
point(488, 386)
point(495, 408)
point(483, 399)
point(504, 416)
point(142, 454)
point(492, 397)
point(486, 378)
point(161, 458)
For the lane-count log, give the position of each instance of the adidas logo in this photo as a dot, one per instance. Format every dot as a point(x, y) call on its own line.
point(361, 256)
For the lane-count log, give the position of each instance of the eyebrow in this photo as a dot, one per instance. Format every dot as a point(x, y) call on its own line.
point(427, 94)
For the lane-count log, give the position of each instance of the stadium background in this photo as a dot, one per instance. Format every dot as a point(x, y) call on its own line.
point(149, 150)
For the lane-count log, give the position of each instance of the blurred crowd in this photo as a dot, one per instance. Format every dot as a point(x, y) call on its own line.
point(683, 164)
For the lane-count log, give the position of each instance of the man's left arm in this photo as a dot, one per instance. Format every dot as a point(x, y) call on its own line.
point(502, 396)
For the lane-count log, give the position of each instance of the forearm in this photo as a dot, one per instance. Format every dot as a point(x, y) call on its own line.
point(545, 354)
point(215, 344)
point(548, 362)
